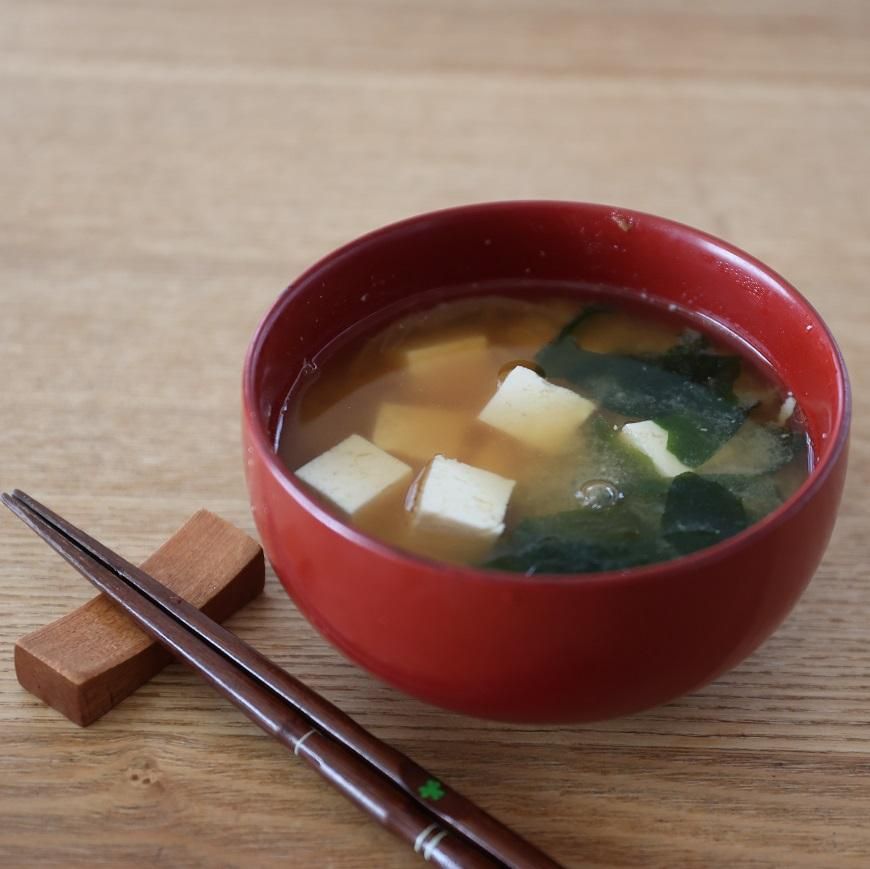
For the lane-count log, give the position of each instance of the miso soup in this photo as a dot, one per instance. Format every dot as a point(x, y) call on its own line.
point(544, 436)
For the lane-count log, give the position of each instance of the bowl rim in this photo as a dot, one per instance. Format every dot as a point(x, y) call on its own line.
point(693, 562)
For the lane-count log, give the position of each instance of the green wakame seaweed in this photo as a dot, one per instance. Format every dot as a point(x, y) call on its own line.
point(687, 390)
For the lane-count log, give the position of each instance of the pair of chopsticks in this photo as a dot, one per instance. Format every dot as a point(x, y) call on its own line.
point(439, 823)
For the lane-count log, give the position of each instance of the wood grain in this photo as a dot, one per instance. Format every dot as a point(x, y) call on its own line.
point(167, 167)
point(86, 662)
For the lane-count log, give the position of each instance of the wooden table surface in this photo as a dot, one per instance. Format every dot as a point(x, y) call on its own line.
point(166, 167)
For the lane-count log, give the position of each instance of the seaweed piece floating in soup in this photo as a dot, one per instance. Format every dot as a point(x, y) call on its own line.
point(543, 436)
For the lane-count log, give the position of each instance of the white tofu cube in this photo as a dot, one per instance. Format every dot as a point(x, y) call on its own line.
point(535, 411)
point(422, 359)
point(419, 431)
point(455, 496)
point(651, 439)
point(353, 473)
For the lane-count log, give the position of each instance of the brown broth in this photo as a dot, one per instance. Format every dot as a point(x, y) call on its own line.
point(365, 370)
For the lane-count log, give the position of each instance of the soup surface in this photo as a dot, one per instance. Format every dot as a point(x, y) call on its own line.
point(545, 436)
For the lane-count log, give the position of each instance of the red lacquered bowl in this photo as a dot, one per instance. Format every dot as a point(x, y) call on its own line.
point(545, 648)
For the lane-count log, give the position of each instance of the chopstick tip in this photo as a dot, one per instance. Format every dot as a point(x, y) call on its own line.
point(19, 499)
point(12, 502)
point(18, 502)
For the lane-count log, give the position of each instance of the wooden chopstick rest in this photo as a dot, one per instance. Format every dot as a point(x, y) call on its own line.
point(89, 660)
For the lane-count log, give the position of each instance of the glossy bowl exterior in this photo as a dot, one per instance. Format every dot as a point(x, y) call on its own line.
point(545, 648)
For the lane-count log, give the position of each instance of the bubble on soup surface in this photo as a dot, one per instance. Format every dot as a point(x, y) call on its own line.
point(598, 494)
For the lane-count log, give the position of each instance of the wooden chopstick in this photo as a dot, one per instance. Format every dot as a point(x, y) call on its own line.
point(411, 802)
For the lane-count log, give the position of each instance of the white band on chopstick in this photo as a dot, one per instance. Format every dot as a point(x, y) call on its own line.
point(432, 844)
point(418, 842)
point(301, 740)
